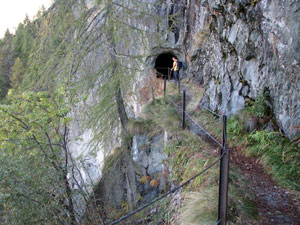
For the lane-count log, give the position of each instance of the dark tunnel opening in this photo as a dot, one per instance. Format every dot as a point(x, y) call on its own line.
point(163, 64)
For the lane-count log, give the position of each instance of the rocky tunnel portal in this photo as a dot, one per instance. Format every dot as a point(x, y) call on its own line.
point(163, 65)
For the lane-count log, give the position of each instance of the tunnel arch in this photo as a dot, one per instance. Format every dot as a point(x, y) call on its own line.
point(162, 63)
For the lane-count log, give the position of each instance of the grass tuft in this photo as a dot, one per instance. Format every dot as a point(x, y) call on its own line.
point(200, 208)
point(136, 127)
point(112, 158)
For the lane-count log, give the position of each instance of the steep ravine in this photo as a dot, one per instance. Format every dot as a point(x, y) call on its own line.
point(101, 58)
point(122, 188)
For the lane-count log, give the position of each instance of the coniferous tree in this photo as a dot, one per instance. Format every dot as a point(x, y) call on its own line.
point(16, 77)
point(6, 62)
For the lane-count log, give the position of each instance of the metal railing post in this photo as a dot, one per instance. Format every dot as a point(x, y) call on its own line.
point(178, 81)
point(183, 111)
point(165, 85)
point(223, 182)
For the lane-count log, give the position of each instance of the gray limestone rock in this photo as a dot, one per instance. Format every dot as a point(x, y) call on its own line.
point(262, 48)
point(256, 44)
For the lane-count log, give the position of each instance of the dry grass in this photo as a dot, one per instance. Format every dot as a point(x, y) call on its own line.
point(163, 115)
point(152, 88)
point(196, 91)
point(188, 156)
point(200, 38)
point(199, 208)
point(136, 127)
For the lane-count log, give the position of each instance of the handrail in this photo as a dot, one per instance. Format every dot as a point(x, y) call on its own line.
point(168, 193)
point(191, 118)
point(223, 152)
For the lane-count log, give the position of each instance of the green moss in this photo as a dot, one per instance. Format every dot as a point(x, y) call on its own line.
point(258, 106)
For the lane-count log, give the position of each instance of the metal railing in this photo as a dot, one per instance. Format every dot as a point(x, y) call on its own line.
point(224, 161)
point(223, 158)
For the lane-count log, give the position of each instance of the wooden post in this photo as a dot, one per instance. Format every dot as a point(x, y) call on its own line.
point(183, 111)
point(223, 181)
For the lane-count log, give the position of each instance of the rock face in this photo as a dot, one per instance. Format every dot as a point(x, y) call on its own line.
point(240, 49)
point(237, 49)
point(134, 178)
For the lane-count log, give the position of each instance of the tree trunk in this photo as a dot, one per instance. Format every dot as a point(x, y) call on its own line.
point(121, 109)
point(112, 46)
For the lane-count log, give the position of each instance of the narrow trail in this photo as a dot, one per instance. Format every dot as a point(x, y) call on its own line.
point(275, 205)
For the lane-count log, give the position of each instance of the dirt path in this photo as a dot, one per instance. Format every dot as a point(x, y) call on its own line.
point(276, 205)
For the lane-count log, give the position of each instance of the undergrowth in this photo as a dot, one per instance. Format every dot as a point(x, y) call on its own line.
point(279, 155)
point(162, 115)
point(188, 155)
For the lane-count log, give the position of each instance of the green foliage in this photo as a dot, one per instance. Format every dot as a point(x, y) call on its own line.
point(234, 127)
point(6, 62)
point(57, 49)
point(281, 157)
point(188, 155)
point(33, 174)
point(258, 107)
point(18, 70)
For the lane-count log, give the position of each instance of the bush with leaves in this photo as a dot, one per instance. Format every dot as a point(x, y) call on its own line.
point(35, 184)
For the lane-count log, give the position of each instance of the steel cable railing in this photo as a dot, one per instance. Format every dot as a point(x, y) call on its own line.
point(224, 151)
point(168, 193)
point(193, 120)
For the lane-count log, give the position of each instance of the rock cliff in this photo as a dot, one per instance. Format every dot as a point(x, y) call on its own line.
point(237, 50)
point(241, 49)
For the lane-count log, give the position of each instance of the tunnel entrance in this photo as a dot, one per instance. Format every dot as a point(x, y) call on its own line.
point(163, 64)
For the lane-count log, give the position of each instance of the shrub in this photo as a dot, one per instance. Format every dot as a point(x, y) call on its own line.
point(279, 154)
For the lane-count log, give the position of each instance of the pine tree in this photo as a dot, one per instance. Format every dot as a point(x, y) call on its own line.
point(6, 62)
point(115, 30)
point(16, 77)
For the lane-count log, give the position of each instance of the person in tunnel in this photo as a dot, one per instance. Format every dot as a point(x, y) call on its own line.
point(163, 64)
point(175, 70)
